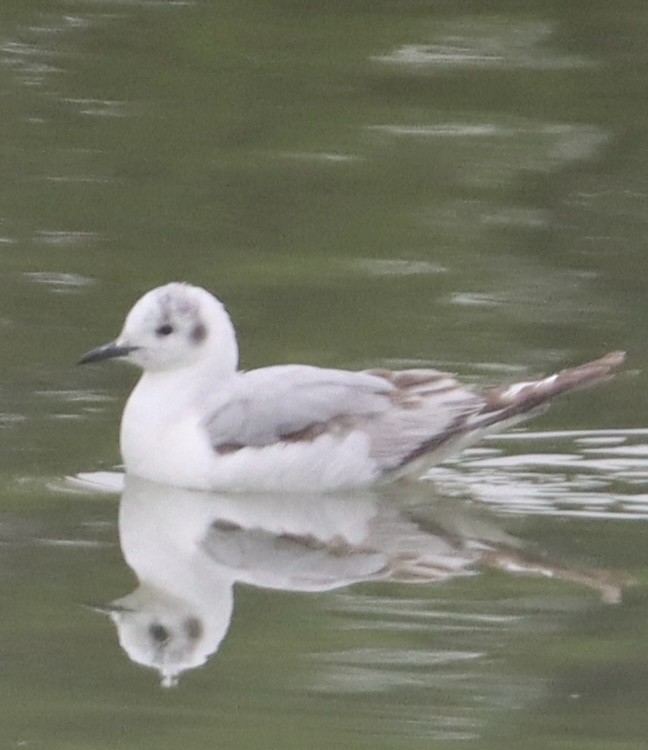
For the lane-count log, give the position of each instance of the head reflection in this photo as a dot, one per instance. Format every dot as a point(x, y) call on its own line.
point(189, 548)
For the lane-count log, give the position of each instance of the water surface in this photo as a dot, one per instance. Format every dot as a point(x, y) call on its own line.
point(364, 184)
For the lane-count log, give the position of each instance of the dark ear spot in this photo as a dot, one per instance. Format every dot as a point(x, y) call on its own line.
point(193, 628)
point(199, 333)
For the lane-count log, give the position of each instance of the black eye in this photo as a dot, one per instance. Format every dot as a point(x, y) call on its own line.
point(164, 330)
point(159, 633)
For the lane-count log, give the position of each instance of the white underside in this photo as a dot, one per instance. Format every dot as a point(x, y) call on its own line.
point(325, 464)
point(170, 445)
point(169, 436)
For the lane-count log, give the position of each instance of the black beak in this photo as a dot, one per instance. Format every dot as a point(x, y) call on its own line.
point(108, 609)
point(107, 351)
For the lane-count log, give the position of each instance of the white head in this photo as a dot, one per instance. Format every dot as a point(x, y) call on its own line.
point(159, 631)
point(172, 327)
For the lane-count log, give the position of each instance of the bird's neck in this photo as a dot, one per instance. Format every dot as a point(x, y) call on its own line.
point(177, 387)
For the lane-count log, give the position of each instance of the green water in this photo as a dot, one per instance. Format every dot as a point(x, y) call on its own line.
point(460, 184)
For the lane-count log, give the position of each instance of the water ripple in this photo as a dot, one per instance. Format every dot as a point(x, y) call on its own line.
point(589, 474)
point(486, 44)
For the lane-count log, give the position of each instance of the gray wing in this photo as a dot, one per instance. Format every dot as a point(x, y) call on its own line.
point(406, 415)
point(398, 412)
point(290, 562)
point(294, 402)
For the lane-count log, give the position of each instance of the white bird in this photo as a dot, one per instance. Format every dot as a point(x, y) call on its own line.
point(189, 549)
point(194, 420)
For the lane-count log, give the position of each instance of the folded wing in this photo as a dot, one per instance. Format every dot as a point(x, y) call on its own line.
point(406, 415)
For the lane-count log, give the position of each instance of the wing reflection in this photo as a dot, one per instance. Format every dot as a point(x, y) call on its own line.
point(189, 548)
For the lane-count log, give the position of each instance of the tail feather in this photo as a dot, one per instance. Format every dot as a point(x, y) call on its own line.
point(497, 408)
point(508, 401)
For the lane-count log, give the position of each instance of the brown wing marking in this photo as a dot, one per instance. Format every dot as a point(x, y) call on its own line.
point(507, 402)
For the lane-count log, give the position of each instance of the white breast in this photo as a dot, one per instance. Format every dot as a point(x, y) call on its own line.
point(163, 440)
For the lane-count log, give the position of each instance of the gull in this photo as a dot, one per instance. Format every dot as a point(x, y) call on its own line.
point(194, 420)
point(189, 550)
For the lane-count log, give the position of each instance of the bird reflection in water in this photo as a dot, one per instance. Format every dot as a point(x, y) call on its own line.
point(189, 548)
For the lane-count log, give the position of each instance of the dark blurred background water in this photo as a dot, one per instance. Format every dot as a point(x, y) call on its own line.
point(393, 183)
